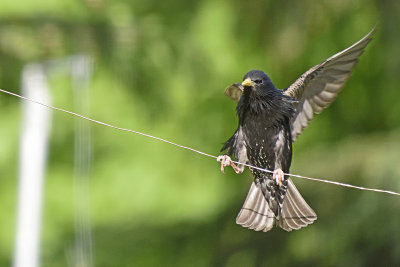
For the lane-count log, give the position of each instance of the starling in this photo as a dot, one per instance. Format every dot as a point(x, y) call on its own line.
point(270, 120)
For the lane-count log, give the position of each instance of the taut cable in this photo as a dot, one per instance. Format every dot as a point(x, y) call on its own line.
point(198, 151)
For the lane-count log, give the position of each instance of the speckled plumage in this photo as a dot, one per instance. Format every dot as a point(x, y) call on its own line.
point(263, 137)
point(269, 121)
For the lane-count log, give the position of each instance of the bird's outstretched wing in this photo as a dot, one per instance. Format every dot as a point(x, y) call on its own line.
point(319, 86)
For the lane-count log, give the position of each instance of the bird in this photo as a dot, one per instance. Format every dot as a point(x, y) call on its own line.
point(269, 121)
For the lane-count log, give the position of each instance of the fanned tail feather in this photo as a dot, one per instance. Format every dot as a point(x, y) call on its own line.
point(256, 213)
point(296, 213)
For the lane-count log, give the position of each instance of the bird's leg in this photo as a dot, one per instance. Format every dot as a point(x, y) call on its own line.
point(278, 176)
point(227, 161)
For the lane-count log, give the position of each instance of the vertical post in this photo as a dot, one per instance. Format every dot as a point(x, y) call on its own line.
point(33, 153)
point(81, 68)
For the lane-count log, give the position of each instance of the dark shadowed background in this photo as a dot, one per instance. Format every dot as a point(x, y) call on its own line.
point(161, 67)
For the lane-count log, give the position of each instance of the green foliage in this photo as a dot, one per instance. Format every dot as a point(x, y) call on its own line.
point(161, 68)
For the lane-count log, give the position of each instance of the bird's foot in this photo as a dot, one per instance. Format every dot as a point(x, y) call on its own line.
point(227, 161)
point(278, 176)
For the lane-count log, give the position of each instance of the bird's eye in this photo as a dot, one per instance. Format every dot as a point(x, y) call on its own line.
point(258, 81)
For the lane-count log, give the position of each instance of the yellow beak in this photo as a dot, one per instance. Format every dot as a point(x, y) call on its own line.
point(248, 82)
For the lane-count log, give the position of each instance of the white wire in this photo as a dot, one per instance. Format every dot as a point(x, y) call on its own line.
point(200, 152)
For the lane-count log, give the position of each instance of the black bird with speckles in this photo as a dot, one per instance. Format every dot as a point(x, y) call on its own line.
point(269, 121)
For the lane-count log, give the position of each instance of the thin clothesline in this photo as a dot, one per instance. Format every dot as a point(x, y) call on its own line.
point(198, 151)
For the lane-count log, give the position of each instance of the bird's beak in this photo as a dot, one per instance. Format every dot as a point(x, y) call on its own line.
point(248, 82)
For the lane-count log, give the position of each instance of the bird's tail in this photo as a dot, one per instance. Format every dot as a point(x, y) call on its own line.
point(257, 215)
point(296, 213)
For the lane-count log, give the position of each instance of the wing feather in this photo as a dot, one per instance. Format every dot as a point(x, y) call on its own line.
point(318, 87)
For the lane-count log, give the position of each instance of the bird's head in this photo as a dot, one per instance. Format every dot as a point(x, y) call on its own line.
point(257, 81)
point(255, 84)
point(257, 94)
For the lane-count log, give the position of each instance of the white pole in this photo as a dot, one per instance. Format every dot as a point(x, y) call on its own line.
point(81, 69)
point(33, 152)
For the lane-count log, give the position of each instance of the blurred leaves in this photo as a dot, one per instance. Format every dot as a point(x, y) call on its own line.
point(161, 68)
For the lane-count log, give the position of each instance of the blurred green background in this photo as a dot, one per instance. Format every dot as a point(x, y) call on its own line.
point(161, 67)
